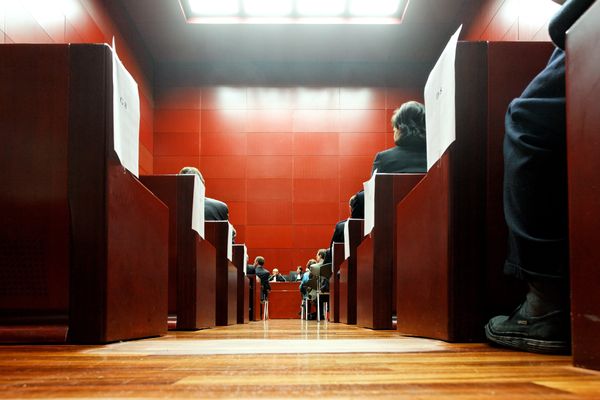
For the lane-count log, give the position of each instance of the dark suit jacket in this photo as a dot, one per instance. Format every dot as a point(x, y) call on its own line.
point(278, 278)
point(338, 233)
point(215, 210)
point(263, 275)
point(405, 158)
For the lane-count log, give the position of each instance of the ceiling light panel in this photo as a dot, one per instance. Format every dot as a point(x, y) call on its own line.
point(215, 8)
point(320, 8)
point(374, 8)
point(268, 8)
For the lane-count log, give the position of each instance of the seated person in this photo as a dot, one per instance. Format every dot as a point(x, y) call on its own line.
point(214, 210)
point(356, 211)
point(299, 273)
point(276, 276)
point(262, 274)
point(410, 152)
point(409, 155)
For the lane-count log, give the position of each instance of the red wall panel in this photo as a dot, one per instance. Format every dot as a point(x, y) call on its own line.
point(285, 159)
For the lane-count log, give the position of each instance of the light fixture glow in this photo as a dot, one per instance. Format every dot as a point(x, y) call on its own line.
point(313, 8)
point(374, 7)
point(268, 8)
point(211, 7)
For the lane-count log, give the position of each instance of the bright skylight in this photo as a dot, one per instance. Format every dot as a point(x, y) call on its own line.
point(294, 11)
point(268, 8)
point(320, 7)
point(374, 7)
point(212, 7)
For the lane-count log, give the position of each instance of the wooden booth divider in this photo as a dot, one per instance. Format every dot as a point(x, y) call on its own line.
point(348, 274)
point(376, 255)
point(243, 284)
point(192, 278)
point(451, 235)
point(337, 257)
point(225, 300)
point(583, 148)
point(84, 243)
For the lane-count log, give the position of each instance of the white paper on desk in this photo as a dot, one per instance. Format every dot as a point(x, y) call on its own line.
point(230, 242)
point(440, 117)
point(126, 115)
point(369, 187)
point(198, 206)
point(346, 240)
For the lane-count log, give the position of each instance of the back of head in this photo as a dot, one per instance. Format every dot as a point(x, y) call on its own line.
point(259, 261)
point(321, 254)
point(191, 171)
point(408, 122)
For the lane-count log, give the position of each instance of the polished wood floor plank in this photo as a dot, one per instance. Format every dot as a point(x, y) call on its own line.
point(179, 366)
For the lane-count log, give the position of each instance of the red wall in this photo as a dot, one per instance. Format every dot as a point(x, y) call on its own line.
point(512, 20)
point(79, 21)
point(285, 159)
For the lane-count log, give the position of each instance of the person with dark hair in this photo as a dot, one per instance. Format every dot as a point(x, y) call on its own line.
point(356, 211)
point(535, 204)
point(263, 275)
point(410, 152)
point(214, 210)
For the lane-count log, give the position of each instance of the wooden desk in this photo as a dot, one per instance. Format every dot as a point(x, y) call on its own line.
point(348, 275)
point(243, 284)
point(337, 259)
point(583, 147)
point(284, 300)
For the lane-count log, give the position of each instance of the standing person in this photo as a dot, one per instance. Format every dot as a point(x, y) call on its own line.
point(535, 204)
point(262, 274)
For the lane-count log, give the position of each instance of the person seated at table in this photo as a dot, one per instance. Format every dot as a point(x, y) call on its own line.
point(304, 289)
point(299, 273)
point(356, 206)
point(276, 276)
point(262, 274)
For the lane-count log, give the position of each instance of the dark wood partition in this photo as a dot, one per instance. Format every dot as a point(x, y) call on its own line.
point(348, 275)
point(225, 300)
point(376, 255)
point(243, 284)
point(189, 261)
point(337, 259)
point(451, 236)
point(93, 240)
point(583, 148)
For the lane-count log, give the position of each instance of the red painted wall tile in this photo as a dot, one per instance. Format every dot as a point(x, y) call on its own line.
point(231, 121)
point(237, 215)
point(262, 144)
point(316, 213)
point(176, 144)
point(224, 97)
point(362, 99)
point(363, 121)
point(315, 167)
point(269, 236)
point(312, 236)
point(176, 121)
point(178, 98)
point(316, 190)
point(316, 99)
point(270, 213)
point(265, 167)
point(214, 144)
point(226, 189)
point(224, 167)
point(323, 143)
point(356, 167)
point(315, 121)
point(172, 165)
point(270, 190)
point(269, 121)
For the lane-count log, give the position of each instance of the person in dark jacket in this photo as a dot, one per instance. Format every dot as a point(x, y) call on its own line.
point(535, 204)
point(263, 275)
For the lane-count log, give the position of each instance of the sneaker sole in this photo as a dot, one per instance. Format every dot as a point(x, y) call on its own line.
point(529, 344)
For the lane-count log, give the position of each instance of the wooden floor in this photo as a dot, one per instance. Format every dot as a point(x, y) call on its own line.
point(289, 359)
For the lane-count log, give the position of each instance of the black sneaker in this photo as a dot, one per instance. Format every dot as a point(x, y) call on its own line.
point(548, 333)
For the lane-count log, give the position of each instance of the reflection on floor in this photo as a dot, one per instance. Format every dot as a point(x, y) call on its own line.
point(289, 359)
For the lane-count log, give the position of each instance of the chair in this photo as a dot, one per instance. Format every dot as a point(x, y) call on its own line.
point(321, 272)
point(312, 286)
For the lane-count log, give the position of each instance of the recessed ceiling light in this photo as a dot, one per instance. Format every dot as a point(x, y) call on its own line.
point(268, 8)
point(371, 8)
point(211, 7)
point(313, 8)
